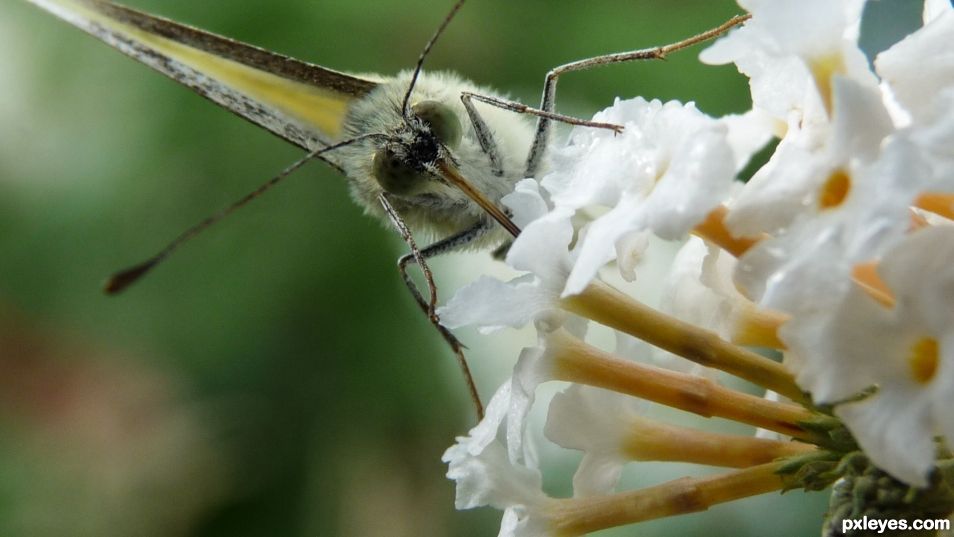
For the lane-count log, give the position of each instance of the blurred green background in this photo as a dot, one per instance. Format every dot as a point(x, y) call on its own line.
point(274, 377)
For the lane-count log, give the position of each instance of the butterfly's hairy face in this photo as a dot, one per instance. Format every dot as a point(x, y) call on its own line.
point(406, 156)
point(401, 165)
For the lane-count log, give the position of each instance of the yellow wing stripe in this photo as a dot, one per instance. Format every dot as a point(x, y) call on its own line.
point(320, 108)
point(309, 105)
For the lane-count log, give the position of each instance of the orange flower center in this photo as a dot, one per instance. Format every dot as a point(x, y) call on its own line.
point(923, 360)
point(835, 190)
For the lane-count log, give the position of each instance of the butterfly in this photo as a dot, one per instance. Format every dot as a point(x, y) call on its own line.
point(431, 153)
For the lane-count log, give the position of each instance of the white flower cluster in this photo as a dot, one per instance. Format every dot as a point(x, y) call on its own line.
point(839, 252)
point(856, 202)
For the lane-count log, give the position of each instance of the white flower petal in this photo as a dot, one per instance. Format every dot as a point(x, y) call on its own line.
point(779, 190)
point(699, 288)
point(526, 202)
point(920, 66)
point(597, 475)
point(489, 478)
point(935, 139)
point(860, 122)
point(492, 304)
point(698, 179)
point(599, 244)
point(630, 249)
point(594, 421)
point(921, 274)
point(891, 433)
point(935, 8)
point(533, 368)
point(542, 248)
point(485, 473)
point(748, 133)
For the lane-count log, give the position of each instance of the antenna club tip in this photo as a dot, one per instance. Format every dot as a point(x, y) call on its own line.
point(119, 281)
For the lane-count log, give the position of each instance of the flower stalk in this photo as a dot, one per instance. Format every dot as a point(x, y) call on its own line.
point(650, 440)
point(579, 362)
point(610, 307)
point(579, 516)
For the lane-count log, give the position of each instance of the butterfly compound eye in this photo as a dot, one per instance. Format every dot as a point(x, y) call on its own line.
point(394, 174)
point(442, 121)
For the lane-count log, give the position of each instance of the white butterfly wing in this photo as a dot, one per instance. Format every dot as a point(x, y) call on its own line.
point(298, 101)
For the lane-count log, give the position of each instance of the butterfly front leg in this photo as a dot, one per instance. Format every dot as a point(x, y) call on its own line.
point(485, 137)
point(548, 101)
point(419, 257)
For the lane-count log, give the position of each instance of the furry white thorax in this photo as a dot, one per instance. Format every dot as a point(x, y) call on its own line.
point(440, 209)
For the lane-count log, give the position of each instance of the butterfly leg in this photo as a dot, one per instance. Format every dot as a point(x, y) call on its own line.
point(548, 101)
point(485, 136)
point(428, 306)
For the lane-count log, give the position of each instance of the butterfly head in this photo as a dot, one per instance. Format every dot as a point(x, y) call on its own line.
point(406, 162)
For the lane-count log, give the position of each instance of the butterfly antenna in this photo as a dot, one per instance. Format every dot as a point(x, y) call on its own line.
point(427, 48)
point(124, 278)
